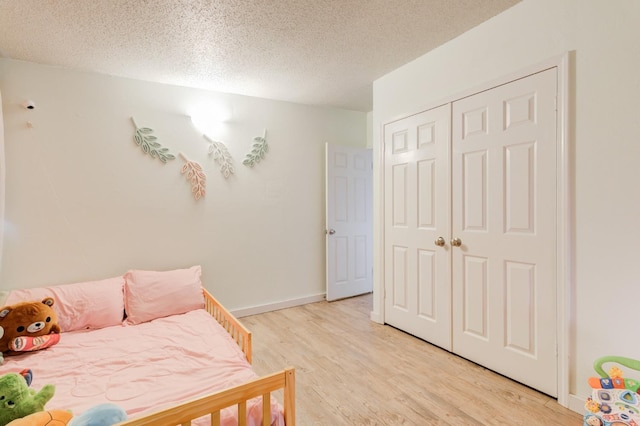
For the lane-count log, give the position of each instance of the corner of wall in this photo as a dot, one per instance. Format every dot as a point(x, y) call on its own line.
point(370, 129)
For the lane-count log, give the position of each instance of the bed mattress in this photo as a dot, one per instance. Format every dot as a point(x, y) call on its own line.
point(143, 368)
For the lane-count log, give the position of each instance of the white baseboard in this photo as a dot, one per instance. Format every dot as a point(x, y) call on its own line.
point(376, 317)
point(254, 310)
point(576, 403)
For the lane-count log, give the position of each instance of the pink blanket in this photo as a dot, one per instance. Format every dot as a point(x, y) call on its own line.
point(143, 368)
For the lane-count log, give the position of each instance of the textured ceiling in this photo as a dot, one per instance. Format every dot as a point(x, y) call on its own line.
point(318, 52)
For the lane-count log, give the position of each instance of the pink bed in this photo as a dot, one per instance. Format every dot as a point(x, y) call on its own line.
point(144, 367)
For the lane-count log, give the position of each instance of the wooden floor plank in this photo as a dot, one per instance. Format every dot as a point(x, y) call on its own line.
point(352, 371)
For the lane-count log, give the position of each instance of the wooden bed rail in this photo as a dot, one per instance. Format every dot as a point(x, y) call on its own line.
point(238, 396)
point(183, 414)
point(236, 330)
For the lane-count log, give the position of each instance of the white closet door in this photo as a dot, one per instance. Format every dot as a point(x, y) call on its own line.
point(417, 212)
point(504, 213)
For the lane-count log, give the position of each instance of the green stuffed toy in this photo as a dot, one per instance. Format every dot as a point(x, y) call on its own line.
point(18, 400)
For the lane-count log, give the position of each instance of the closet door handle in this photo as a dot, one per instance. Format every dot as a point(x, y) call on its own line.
point(439, 242)
point(456, 242)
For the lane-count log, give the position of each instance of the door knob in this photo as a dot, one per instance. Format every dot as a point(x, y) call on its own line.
point(439, 242)
point(456, 242)
point(331, 231)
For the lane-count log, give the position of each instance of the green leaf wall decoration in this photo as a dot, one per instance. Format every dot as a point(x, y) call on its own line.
point(195, 176)
point(147, 142)
point(258, 150)
point(221, 155)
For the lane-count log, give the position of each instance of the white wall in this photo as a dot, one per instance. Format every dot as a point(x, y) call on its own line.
point(605, 91)
point(83, 202)
point(2, 178)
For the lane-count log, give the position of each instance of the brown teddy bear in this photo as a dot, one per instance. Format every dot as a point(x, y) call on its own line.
point(28, 320)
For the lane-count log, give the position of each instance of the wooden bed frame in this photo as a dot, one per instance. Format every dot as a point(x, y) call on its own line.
point(182, 414)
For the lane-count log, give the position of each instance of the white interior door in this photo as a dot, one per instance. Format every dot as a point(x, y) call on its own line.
point(349, 221)
point(417, 225)
point(504, 213)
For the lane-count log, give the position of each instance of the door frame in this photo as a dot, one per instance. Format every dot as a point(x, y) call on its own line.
point(564, 209)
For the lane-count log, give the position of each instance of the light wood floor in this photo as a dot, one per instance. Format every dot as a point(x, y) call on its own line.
point(352, 371)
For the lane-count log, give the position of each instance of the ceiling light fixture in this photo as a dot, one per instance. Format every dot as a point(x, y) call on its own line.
point(207, 117)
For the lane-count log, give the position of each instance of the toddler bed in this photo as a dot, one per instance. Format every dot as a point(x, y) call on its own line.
point(159, 346)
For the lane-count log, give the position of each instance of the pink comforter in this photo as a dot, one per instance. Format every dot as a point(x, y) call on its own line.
point(143, 368)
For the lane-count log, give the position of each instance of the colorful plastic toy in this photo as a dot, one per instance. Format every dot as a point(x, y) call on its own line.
point(615, 400)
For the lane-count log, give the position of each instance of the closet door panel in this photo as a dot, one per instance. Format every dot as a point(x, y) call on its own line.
point(417, 212)
point(504, 207)
point(475, 309)
point(474, 191)
point(519, 191)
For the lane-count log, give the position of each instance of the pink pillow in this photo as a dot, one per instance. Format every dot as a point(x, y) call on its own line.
point(155, 294)
point(85, 305)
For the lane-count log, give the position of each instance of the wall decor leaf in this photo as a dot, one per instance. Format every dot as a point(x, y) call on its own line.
point(221, 155)
point(147, 142)
point(258, 150)
point(196, 177)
